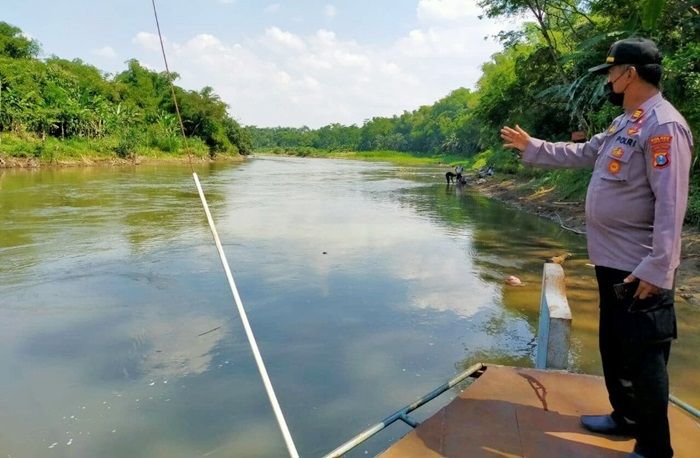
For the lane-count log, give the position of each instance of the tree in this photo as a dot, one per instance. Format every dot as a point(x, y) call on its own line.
point(15, 45)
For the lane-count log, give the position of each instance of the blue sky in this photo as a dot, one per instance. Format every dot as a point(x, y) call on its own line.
point(288, 63)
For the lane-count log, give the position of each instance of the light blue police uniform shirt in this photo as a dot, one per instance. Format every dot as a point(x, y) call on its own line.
point(638, 194)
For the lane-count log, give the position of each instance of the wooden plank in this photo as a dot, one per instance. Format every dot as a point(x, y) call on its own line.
point(516, 412)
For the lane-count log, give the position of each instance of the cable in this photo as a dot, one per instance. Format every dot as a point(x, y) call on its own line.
point(172, 87)
point(249, 332)
point(229, 276)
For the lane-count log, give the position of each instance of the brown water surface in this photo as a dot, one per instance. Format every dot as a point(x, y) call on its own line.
point(367, 285)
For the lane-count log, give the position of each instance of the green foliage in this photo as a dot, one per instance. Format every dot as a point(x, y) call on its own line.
point(15, 45)
point(70, 99)
point(682, 82)
point(395, 157)
point(570, 184)
point(504, 161)
point(446, 127)
point(651, 11)
point(128, 142)
point(693, 214)
point(238, 136)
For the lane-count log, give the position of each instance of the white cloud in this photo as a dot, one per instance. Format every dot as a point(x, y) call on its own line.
point(283, 78)
point(330, 11)
point(279, 38)
point(272, 8)
point(202, 42)
point(447, 10)
point(449, 42)
point(187, 352)
point(148, 41)
point(325, 37)
point(105, 51)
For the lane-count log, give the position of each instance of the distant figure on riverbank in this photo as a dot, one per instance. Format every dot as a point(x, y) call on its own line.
point(456, 177)
point(487, 172)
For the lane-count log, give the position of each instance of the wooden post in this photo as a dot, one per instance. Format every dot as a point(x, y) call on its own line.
point(555, 320)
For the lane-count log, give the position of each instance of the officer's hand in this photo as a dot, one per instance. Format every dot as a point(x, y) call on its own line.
point(515, 138)
point(644, 289)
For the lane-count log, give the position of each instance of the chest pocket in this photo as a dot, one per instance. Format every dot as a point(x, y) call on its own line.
point(614, 163)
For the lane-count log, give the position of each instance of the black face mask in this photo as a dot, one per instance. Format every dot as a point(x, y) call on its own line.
point(616, 98)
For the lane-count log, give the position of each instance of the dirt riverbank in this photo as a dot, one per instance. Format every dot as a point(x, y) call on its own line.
point(571, 215)
point(11, 162)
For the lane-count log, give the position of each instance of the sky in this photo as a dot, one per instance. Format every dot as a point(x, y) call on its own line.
point(280, 63)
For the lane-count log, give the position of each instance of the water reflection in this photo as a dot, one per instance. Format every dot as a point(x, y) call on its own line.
point(366, 286)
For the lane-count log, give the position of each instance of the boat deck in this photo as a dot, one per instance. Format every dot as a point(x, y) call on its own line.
point(515, 412)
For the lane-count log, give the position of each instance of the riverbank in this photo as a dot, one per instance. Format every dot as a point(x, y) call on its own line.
point(10, 162)
point(30, 151)
point(395, 157)
point(570, 215)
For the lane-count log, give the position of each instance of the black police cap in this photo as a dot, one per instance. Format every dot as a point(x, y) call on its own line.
point(631, 51)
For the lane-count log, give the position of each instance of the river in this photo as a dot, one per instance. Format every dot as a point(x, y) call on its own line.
point(366, 285)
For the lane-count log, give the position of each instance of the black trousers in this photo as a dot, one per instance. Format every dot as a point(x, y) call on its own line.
point(635, 341)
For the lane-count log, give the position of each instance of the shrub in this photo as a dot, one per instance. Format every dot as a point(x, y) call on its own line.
point(126, 146)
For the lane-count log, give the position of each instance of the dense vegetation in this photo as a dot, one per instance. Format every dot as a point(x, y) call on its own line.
point(539, 81)
point(55, 107)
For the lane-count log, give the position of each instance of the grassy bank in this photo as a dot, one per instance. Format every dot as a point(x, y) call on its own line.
point(394, 157)
point(564, 184)
point(29, 148)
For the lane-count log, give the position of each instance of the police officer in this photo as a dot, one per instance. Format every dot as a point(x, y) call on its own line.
point(635, 207)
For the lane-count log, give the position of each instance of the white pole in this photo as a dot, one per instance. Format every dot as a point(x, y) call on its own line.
point(249, 332)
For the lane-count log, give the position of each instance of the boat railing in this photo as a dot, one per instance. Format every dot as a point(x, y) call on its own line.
point(402, 414)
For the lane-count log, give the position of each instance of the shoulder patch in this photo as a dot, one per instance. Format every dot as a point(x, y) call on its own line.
point(660, 139)
point(661, 150)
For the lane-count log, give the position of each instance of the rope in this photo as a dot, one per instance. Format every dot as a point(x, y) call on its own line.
point(172, 87)
point(229, 276)
point(249, 332)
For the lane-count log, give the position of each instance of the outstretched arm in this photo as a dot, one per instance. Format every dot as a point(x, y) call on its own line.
point(546, 154)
